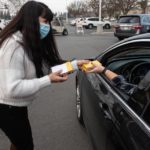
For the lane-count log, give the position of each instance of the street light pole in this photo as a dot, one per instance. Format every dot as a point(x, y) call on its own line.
point(100, 10)
point(100, 26)
point(66, 13)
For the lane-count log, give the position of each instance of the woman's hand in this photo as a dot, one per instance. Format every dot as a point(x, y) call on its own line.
point(58, 77)
point(81, 62)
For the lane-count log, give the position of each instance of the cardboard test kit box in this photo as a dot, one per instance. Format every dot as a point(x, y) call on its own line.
point(67, 67)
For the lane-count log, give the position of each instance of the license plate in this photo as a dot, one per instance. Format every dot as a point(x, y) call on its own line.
point(125, 28)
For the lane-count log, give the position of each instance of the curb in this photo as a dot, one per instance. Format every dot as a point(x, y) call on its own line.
point(102, 33)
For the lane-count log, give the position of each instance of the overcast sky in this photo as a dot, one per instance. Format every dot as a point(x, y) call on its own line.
point(57, 5)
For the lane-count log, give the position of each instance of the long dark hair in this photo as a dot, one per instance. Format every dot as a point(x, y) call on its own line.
point(41, 52)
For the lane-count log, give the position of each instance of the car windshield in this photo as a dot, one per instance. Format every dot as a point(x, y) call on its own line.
point(129, 19)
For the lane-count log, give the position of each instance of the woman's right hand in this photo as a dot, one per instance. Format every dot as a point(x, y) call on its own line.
point(58, 77)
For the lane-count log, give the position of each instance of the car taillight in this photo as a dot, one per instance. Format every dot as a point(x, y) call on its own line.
point(137, 27)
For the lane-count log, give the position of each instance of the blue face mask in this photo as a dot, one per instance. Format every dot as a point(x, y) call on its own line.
point(44, 30)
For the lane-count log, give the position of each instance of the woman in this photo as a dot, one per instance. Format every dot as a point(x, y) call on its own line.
point(27, 46)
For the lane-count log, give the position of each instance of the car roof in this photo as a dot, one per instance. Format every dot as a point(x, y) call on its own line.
point(140, 15)
point(141, 37)
point(137, 37)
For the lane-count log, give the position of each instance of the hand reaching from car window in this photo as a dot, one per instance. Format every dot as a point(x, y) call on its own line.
point(99, 68)
point(96, 68)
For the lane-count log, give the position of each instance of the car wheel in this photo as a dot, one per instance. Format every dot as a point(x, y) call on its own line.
point(65, 32)
point(90, 26)
point(78, 105)
point(107, 26)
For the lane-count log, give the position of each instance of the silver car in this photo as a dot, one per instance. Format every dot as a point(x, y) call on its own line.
point(131, 25)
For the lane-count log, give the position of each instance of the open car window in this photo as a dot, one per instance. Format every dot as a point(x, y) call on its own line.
point(133, 64)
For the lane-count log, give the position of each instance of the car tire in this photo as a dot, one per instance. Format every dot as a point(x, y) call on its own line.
point(65, 32)
point(107, 26)
point(78, 105)
point(90, 26)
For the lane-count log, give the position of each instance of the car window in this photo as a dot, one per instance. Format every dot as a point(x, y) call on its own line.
point(129, 19)
point(138, 101)
point(128, 57)
point(93, 19)
point(146, 19)
point(55, 22)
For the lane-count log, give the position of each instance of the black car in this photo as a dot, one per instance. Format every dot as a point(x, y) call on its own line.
point(113, 119)
point(131, 25)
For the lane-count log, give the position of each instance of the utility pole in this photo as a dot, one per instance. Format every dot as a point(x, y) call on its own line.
point(100, 10)
point(66, 13)
point(100, 26)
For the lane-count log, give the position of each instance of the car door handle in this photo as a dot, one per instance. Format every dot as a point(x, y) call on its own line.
point(105, 110)
point(103, 88)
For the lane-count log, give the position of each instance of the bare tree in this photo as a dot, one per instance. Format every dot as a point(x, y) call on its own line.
point(13, 5)
point(17, 3)
point(110, 8)
point(77, 8)
point(126, 5)
point(143, 5)
point(94, 4)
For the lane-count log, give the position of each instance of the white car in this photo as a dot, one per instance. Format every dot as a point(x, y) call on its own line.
point(94, 21)
point(2, 24)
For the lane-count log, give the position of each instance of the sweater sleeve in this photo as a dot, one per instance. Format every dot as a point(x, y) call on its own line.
point(74, 65)
point(13, 75)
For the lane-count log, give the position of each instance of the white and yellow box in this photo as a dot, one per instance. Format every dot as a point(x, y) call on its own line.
point(65, 68)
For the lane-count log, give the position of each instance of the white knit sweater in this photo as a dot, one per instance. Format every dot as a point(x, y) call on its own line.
point(18, 82)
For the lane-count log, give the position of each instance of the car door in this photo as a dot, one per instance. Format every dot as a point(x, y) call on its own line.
point(96, 21)
point(96, 119)
point(127, 112)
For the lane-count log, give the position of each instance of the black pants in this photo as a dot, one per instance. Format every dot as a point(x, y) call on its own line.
point(15, 124)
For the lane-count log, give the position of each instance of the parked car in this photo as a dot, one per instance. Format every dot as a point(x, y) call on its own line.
point(131, 25)
point(113, 119)
point(2, 24)
point(58, 27)
point(91, 22)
